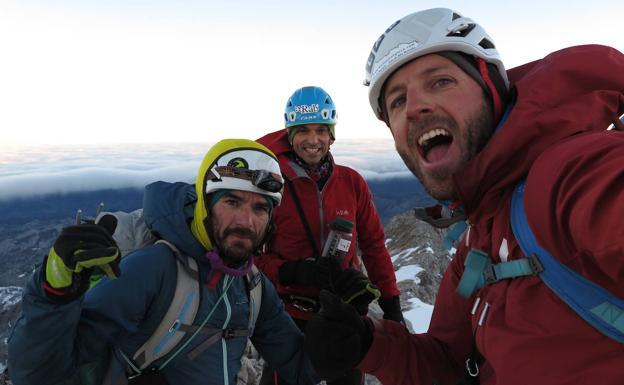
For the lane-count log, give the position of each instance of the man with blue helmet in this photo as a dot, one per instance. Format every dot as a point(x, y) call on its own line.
point(317, 192)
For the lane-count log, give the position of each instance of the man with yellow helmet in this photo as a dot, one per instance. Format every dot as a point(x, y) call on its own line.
point(219, 222)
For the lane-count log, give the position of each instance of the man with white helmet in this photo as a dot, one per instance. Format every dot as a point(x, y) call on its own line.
point(471, 132)
point(318, 192)
point(217, 224)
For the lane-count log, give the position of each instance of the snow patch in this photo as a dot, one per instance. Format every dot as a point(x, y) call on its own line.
point(10, 296)
point(419, 315)
point(404, 253)
point(408, 272)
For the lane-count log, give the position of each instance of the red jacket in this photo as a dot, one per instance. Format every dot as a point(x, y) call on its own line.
point(345, 195)
point(574, 201)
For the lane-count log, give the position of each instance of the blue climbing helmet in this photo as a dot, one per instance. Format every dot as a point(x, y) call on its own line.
point(310, 105)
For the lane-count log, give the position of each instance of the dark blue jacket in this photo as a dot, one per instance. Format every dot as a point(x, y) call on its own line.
point(50, 340)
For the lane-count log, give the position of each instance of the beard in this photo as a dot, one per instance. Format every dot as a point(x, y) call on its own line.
point(236, 252)
point(478, 129)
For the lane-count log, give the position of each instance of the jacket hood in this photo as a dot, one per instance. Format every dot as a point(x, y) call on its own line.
point(168, 211)
point(277, 141)
point(568, 92)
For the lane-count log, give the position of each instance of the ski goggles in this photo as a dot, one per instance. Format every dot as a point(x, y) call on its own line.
point(263, 179)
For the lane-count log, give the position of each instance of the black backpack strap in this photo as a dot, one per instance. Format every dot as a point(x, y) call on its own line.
point(214, 335)
point(291, 188)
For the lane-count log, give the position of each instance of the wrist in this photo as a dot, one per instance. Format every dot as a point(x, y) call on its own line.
point(367, 337)
point(391, 308)
point(57, 275)
point(77, 287)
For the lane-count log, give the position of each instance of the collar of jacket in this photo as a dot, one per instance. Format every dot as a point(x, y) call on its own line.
point(562, 95)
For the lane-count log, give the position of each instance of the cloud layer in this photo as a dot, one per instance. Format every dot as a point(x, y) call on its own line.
point(27, 172)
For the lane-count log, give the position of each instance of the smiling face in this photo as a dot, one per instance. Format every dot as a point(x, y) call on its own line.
point(440, 119)
point(311, 142)
point(238, 223)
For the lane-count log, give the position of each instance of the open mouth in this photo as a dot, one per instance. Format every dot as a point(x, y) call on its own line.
point(433, 145)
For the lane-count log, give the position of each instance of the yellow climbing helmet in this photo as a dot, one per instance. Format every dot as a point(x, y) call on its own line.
point(235, 164)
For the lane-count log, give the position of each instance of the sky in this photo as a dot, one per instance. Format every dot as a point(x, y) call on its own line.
point(163, 71)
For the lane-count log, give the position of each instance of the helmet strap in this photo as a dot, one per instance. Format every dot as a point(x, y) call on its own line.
point(497, 103)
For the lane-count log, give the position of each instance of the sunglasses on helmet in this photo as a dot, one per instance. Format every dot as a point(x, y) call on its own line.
point(263, 179)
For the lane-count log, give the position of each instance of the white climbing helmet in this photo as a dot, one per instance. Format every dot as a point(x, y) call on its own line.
point(422, 33)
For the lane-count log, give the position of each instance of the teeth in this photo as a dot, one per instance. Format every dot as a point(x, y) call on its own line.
point(432, 134)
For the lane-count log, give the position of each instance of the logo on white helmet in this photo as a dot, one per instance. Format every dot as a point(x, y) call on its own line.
point(371, 58)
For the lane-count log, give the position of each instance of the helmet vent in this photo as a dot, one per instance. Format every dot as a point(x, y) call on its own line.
point(486, 44)
point(462, 31)
point(456, 16)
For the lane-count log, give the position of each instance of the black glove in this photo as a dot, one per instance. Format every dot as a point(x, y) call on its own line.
point(76, 252)
point(354, 288)
point(337, 337)
point(392, 309)
point(317, 272)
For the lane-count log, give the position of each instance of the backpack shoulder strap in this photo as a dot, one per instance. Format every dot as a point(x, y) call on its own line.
point(596, 305)
point(254, 283)
point(306, 225)
point(182, 311)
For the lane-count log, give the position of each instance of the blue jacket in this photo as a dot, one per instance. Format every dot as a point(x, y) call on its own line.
point(51, 340)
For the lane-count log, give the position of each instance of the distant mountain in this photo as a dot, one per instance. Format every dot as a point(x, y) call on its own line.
point(396, 196)
point(56, 206)
point(10, 308)
point(413, 242)
point(391, 196)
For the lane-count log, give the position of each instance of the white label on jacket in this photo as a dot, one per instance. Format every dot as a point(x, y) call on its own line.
point(343, 245)
point(503, 251)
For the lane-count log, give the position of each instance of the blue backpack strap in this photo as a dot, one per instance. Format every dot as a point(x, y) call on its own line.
point(480, 271)
point(453, 234)
point(594, 304)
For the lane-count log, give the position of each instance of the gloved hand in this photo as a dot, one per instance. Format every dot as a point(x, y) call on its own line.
point(317, 272)
point(75, 253)
point(392, 309)
point(337, 338)
point(355, 289)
